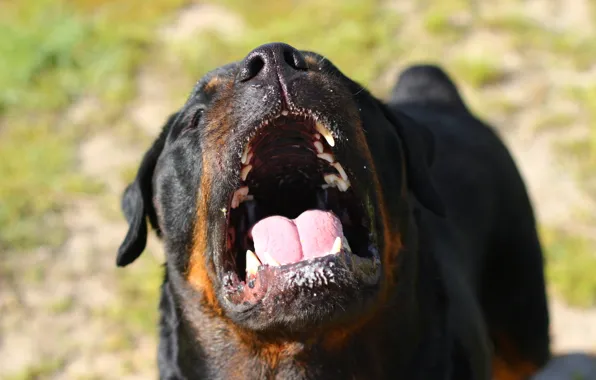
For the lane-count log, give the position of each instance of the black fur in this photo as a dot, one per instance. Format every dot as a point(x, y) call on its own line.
point(470, 270)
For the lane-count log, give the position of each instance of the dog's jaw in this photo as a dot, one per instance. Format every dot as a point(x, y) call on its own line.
point(383, 346)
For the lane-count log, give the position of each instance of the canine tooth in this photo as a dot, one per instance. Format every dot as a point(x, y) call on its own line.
point(239, 196)
point(326, 156)
point(319, 146)
point(336, 246)
point(341, 171)
point(252, 263)
point(245, 171)
point(269, 259)
point(246, 155)
point(325, 133)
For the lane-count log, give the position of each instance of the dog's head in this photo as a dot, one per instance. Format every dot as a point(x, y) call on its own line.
point(278, 190)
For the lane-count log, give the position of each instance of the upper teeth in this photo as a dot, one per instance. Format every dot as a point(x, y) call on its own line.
point(240, 196)
point(246, 154)
point(332, 180)
point(325, 133)
point(319, 146)
point(244, 172)
point(341, 171)
point(326, 156)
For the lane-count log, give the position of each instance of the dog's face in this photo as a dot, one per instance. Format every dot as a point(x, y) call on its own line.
point(278, 190)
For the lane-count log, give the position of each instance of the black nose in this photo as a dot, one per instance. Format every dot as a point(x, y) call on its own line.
point(269, 59)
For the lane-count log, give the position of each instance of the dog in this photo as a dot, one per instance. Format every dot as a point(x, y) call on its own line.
point(313, 231)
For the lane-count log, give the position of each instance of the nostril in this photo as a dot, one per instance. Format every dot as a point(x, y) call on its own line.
point(255, 65)
point(293, 58)
point(268, 59)
point(251, 67)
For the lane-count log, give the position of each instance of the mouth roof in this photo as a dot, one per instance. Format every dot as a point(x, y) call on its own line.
point(295, 202)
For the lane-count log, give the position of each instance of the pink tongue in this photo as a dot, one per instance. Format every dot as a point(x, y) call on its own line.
point(310, 235)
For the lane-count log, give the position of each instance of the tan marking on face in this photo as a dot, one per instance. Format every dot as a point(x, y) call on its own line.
point(211, 86)
point(311, 62)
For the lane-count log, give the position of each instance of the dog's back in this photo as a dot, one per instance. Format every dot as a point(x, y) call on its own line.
point(490, 226)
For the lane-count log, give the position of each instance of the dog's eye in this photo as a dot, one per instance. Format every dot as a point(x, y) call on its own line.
point(196, 118)
point(194, 121)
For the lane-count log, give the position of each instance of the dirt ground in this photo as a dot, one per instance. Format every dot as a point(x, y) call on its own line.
point(61, 316)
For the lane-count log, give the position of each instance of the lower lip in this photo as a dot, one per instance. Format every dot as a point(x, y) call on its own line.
point(314, 273)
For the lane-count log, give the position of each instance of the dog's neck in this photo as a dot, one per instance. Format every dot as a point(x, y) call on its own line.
point(406, 339)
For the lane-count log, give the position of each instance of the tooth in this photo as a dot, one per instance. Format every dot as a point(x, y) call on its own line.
point(325, 133)
point(284, 112)
point(252, 263)
point(343, 185)
point(326, 156)
point(239, 196)
point(334, 180)
point(341, 171)
point(269, 259)
point(336, 246)
point(246, 170)
point(317, 136)
point(319, 146)
point(331, 179)
point(246, 155)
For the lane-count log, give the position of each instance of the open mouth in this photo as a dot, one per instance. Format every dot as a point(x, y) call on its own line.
point(294, 211)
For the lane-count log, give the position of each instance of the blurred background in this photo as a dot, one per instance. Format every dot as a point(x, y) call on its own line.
point(86, 84)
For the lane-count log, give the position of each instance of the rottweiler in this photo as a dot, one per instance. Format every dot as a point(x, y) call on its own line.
point(313, 231)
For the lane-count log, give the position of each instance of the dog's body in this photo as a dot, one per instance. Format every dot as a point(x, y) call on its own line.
point(488, 247)
point(459, 296)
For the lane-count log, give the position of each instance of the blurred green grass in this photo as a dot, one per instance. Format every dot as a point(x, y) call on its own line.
point(56, 53)
point(363, 44)
point(571, 265)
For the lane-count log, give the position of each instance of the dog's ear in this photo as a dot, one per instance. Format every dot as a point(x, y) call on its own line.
point(419, 150)
point(418, 145)
point(137, 202)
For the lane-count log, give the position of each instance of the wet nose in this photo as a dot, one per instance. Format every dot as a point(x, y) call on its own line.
point(271, 60)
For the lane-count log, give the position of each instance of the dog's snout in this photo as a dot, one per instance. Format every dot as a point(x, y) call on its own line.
point(270, 60)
